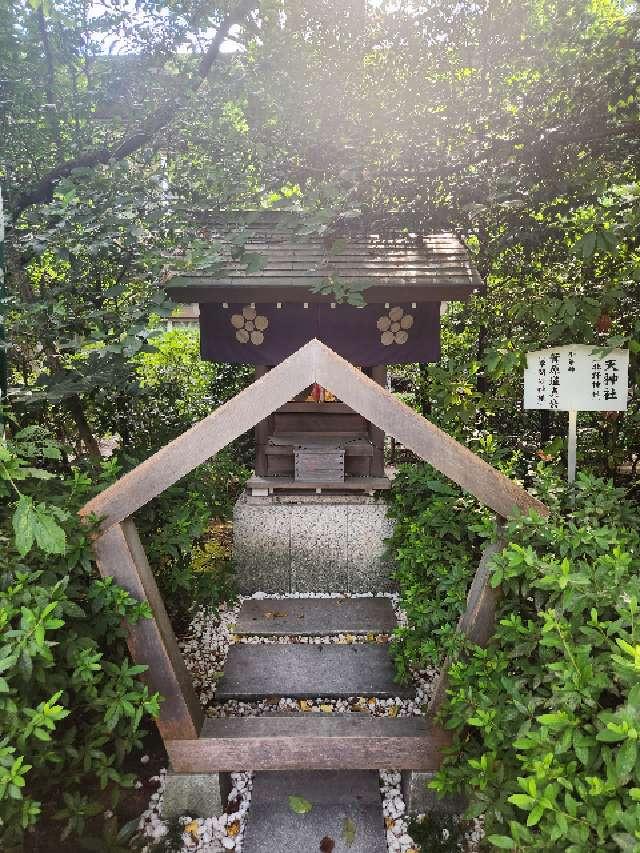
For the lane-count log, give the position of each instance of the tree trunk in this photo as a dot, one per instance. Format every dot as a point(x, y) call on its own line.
point(74, 406)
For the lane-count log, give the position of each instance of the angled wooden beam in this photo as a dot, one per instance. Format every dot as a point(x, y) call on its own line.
point(425, 439)
point(314, 362)
point(205, 439)
point(120, 555)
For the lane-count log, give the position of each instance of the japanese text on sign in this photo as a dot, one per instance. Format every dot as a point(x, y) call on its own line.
point(573, 378)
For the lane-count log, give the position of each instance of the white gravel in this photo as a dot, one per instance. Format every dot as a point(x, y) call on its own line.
point(201, 835)
point(205, 649)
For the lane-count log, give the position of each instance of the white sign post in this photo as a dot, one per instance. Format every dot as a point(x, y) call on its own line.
point(571, 379)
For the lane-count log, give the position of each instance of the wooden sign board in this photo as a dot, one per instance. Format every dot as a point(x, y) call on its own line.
point(570, 378)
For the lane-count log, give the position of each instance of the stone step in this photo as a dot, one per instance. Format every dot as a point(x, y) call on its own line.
point(301, 671)
point(335, 797)
point(312, 617)
point(318, 741)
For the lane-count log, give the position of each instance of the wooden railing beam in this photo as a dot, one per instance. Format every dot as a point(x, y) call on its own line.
point(120, 555)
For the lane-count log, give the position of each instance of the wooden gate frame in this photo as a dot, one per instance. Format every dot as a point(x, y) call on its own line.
point(119, 552)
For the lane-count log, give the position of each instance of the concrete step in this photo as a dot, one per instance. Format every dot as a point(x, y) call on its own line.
point(335, 797)
point(312, 617)
point(318, 741)
point(300, 671)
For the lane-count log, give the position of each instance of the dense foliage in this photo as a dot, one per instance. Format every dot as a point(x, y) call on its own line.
point(545, 719)
point(436, 549)
point(513, 124)
point(71, 704)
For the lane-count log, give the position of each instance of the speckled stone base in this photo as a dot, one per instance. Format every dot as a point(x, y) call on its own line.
point(195, 794)
point(421, 800)
point(311, 544)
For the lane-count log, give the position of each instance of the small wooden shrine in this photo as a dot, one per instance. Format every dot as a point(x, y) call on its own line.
point(274, 289)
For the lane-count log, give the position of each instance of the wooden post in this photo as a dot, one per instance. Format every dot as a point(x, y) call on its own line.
point(477, 623)
point(262, 432)
point(120, 555)
point(379, 375)
point(571, 446)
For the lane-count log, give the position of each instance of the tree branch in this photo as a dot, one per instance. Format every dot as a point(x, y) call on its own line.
point(43, 190)
point(52, 106)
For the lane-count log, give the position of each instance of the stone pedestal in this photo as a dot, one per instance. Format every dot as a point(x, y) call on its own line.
point(195, 794)
point(289, 543)
point(421, 800)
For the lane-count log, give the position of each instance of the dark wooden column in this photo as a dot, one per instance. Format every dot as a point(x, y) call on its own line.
point(379, 375)
point(262, 431)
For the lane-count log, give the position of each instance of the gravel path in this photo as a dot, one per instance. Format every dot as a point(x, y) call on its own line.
point(205, 649)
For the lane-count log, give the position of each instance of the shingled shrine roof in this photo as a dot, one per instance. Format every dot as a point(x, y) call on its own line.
point(281, 264)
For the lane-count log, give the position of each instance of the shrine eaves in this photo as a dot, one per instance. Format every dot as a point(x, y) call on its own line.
point(261, 303)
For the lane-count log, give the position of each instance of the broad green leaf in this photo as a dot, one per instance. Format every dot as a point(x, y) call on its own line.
point(24, 525)
point(502, 841)
point(558, 719)
point(534, 815)
point(523, 801)
point(49, 535)
point(626, 756)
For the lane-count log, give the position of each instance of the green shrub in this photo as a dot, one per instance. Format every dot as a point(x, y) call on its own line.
point(71, 704)
point(546, 720)
point(174, 527)
point(169, 390)
point(436, 549)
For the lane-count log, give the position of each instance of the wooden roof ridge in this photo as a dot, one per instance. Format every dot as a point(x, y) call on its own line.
point(264, 258)
point(314, 362)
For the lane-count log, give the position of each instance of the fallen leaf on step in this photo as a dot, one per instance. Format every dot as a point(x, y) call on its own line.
point(327, 844)
point(193, 829)
point(393, 711)
point(326, 709)
point(274, 614)
point(299, 805)
point(305, 705)
point(370, 636)
point(233, 829)
point(372, 701)
point(389, 822)
point(349, 831)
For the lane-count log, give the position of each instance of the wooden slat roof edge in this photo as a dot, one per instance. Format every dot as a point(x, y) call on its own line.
point(437, 260)
point(314, 362)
